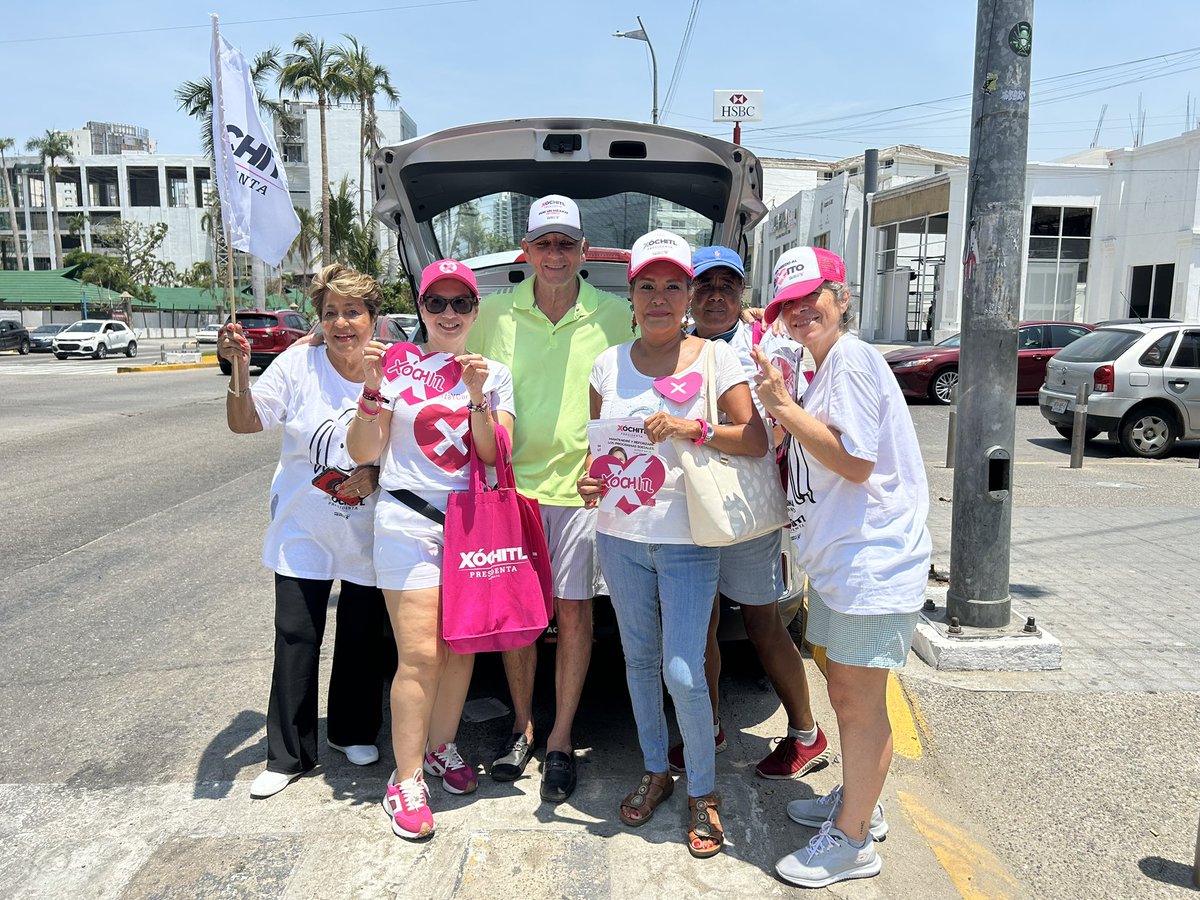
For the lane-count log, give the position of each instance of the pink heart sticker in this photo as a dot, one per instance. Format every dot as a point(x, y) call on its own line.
point(441, 433)
point(414, 376)
point(630, 484)
point(679, 388)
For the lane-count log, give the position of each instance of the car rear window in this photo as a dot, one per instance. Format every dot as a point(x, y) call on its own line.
point(1099, 346)
point(257, 321)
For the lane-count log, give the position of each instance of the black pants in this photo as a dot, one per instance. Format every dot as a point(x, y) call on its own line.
point(364, 658)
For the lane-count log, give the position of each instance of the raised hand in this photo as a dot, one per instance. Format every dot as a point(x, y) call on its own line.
point(373, 364)
point(772, 390)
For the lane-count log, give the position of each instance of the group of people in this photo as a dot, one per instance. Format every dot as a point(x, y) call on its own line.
point(367, 469)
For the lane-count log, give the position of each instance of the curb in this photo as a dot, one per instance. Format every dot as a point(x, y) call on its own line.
point(171, 367)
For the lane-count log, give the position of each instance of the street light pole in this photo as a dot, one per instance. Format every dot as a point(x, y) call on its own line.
point(639, 34)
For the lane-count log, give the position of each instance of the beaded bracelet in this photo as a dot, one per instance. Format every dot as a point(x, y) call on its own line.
point(242, 393)
point(477, 407)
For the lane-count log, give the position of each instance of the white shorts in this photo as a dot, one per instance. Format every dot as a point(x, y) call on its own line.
point(408, 546)
point(571, 537)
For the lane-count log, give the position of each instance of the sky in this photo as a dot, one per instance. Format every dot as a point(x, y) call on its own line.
point(837, 77)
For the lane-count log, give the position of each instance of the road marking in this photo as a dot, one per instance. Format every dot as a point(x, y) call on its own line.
point(902, 711)
point(976, 872)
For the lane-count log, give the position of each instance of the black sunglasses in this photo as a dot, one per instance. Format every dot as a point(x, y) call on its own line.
point(461, 305)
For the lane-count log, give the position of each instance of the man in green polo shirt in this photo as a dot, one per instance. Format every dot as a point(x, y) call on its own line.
point(549, 330)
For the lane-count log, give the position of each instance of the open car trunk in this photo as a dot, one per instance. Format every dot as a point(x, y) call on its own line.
point(465, 192)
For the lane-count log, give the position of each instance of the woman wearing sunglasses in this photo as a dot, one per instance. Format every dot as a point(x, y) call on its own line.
point(420, 407)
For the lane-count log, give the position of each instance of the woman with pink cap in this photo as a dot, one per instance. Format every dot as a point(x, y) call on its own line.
point(662, 584)
point(857, 501)
point(420, 407)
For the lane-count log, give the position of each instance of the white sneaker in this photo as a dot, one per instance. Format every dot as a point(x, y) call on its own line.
point(829, 858)
point(824, 809)
point(359, 754)
point(269, 783)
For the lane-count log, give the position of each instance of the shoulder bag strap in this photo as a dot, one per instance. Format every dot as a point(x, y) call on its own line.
point(416, 504)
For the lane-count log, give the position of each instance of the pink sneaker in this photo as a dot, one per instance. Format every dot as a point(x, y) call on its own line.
point(407, 803)
point(675, 754)
point(445, 763)
point(791, 758)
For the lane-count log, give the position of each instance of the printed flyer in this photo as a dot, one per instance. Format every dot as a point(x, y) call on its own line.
point(624, 459)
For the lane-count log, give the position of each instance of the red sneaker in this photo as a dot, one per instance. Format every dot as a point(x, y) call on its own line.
point(791, 758)
point(675, 754)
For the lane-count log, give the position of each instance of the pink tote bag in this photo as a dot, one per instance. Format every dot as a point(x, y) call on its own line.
point(496, 587)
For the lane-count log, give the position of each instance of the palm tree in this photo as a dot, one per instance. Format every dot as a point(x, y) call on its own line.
point(313, 69)
point(304, 247)
point(7, 143)
point(368, 79)
point(53, 146)
point(196, 97)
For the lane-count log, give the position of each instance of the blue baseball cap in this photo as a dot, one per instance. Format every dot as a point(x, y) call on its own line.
point(710, 257)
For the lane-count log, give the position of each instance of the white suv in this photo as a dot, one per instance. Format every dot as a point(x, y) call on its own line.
point(96, 338)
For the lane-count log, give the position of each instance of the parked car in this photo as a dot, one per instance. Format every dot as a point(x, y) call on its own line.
point(1131, 321)
point(208, 334)
point(269, 332)
point(41, 339)
point(1143, 384)
point(14, 336)
point(932, 371)
point(392, 327)
point(621, 173)
point(96, 338)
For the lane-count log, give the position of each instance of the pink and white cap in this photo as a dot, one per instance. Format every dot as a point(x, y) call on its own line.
point(659, 245)
point(799, 272)
point(554, 214)
point(452, 269)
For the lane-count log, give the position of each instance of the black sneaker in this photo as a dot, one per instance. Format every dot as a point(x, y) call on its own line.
point(514, 755)
point(558, 776)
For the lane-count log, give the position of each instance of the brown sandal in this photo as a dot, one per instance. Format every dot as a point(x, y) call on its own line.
point(704, 825)
point(653, 789)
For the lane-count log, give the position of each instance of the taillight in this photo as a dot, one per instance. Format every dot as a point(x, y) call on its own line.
point(1103, 380)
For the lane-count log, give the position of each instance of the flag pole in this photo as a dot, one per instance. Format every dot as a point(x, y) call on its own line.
point(220, 139)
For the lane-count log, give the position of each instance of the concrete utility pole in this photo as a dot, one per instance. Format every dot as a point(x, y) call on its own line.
point(982, 518)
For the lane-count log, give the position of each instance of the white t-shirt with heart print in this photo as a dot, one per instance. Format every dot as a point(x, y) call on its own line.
point(626, 392)
point(312, 534)
point(426, 449)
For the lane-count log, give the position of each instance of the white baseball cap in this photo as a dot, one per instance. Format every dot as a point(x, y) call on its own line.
point(659, 245)
point(555, 214)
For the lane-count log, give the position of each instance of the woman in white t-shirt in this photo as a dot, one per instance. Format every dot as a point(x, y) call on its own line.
point(322, 512)
point(421, 405)
point(662, 585)
point(857, 500)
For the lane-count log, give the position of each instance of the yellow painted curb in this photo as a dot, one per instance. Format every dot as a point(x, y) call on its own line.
point(976, 872)
point(168, 367)
point(906, 739)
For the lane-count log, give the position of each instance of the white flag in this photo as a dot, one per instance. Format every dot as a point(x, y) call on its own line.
point(255, 204)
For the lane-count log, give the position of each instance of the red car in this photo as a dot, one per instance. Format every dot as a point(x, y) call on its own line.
point(932, 371)
point(270, 332)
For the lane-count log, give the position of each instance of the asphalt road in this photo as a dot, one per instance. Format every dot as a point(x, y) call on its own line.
point(135, 626)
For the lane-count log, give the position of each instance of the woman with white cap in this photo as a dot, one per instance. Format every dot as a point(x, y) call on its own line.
point(436, 398)
point(661, 583)
point(857, 500)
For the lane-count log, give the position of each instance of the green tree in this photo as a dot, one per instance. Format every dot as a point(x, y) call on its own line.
point(7, 143)
point(51, 147)
point(308, 240)
point(137, 248)
point(368, 79)
point(397, 297)
point(314, 69)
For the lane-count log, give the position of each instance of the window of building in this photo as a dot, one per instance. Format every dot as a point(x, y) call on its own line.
point(821, 240)
point(1060, 240)
point(37, 193)
point(1150, 289)
point(177, 187)
point(292, 153)
point(909, 259)
point(143, 186)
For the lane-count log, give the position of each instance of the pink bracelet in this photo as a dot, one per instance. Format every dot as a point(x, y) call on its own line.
point(370, 412)
point(704, 429)
point(373, 395)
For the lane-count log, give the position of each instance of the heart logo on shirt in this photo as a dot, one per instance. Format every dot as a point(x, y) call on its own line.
point(414, 376)
point(679, 388)
point(628, 484)
point(442, 435)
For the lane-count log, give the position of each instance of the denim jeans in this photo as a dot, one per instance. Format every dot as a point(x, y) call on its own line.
point(663, 596)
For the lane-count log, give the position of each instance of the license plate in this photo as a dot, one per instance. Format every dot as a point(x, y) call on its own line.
point(1058, 406)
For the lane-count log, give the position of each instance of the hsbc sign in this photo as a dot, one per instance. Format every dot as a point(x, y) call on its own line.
point(737, 106)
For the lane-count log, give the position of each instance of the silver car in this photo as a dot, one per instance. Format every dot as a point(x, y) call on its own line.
point(1143, 383)
point(465, 193)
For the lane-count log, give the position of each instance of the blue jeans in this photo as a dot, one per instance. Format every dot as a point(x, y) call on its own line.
point(663, 596)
